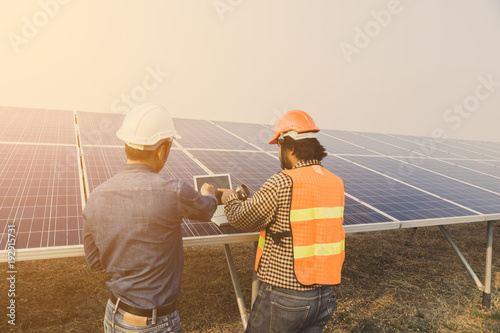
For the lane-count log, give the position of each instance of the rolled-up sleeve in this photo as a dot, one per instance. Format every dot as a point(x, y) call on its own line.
point(254, 214)
point(196, 206)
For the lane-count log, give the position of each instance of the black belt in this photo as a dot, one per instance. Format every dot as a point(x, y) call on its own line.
point(160, 311)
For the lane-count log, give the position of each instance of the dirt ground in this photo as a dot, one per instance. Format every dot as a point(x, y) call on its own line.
point(407, 280)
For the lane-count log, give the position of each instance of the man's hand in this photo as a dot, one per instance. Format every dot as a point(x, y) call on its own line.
point(207, 189)
point(225, 193)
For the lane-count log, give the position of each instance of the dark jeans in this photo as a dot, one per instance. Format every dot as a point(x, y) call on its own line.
point(281, 310)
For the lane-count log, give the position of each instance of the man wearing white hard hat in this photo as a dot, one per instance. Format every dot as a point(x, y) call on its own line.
point(132, 227)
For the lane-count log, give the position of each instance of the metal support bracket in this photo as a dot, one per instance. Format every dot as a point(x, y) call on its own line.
point(469, 269)
point(255, 280)
point(236, 285)
point(486, 288)
point(489, 259)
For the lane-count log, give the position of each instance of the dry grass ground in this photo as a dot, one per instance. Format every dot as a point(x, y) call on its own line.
point(393, 281)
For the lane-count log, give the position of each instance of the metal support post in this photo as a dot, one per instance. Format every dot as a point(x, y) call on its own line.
point(462, 258)
point(255, 280)
point(236, 285)
point(489, 259)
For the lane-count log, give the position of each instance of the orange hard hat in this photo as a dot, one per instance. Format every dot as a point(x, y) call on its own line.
point(295, 120)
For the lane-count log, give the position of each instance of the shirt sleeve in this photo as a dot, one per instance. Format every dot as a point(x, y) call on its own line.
point(196, 206)
point(91, 250)
point(256, 213)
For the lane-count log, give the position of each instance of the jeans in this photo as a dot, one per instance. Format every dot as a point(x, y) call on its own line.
point(170, 323)
point(281, 310)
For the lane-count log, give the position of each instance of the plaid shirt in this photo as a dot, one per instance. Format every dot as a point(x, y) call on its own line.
point(270, 208)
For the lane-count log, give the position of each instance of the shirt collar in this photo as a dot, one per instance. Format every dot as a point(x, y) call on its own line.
point(305, 163)
point(136, 167)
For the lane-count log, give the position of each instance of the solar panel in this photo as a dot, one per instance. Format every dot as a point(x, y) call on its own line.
point(41, 195)
point(477, 147)
point(443, 146)
point(463, 194)
point(203, 134)
point(101, 163)
point(99, 128)
point(191, 228)
point(37, 126)
point(341, 147)
point(256, 134)
point(418, 146)
point(250, 168)
point(492, 145)
point(394, 198)
point(367, 143)
point(468, 176)
point(356, 213)
point(485, 166)
point(41, 180)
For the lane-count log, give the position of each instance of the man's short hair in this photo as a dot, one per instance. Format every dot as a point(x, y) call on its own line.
point(143, 155)
point(305, 149)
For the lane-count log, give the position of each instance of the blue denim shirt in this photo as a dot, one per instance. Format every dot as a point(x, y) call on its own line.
point(132, 229)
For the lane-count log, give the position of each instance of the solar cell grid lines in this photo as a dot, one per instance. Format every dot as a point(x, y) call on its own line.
point(421, 146)
point(104, 162)
point(362, 141)
point(358, 213)
point(394, 198)
point(99, 128)
point(257, 134)
point(463, 194)
point(39, 196)
point(37, 126)
point(203, 134)
point(249, 168)
point(443, 146)
point(341, 147)
point(484, 166)
point(475, 178)
point(485, 152)
point(191, 228)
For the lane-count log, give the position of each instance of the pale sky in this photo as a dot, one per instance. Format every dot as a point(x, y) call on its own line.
point(400, 67)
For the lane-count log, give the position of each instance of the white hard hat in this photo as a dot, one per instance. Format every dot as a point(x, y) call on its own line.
point(146, 126)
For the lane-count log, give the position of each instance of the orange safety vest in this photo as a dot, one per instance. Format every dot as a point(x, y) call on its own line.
point(316, 217)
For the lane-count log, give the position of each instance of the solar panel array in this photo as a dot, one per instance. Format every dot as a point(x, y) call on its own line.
point(52, 159)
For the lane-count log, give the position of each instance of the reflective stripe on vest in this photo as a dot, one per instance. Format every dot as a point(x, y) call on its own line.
point(318, 250)
point(316, 213)
point(260, 248)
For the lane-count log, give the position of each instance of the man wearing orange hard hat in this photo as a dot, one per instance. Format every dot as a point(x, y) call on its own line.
point(299, 213)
